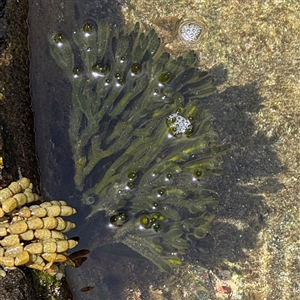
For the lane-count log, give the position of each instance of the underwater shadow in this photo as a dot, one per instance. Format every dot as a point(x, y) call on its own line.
point(250, 169)
point(50, 90)
point(250, 160)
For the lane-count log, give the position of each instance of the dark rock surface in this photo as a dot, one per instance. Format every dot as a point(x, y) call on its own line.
point(17, 142)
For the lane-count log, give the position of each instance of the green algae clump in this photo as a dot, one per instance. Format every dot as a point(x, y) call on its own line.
point(141, 144)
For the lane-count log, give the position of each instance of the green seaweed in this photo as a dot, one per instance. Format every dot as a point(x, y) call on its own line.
point(141, 144)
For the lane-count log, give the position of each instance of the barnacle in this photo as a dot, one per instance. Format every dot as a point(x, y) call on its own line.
point(33, 235)
point(140, 141)
point(190, 31)
point(178, 125)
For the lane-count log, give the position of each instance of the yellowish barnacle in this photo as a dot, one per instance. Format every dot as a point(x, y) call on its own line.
point(21, 199)
point(5, 194)
point(35, 223)
point(50, 209)
point(31, 197)
point(49, 223)
point(9, 204)
point(61, 224)
point(22, 258)
point(18, 227)
point(34, 248)
point(66, 210)
point(16, 195)
point(7, 261)
point(53, 211)
point(57, 235)
point(10, 240)
point(27, 236)
point(49, 246)
point(37, 211)
point(35, 266)
point(3, 231)
point(14, 251)
point(36, 260)
point(24, 182)
point(15, 187)
point(24, 212)
point(69, 226)
point(33, 235)
point(42, 234)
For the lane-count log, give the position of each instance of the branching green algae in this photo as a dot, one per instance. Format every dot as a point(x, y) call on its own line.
point(141, 144)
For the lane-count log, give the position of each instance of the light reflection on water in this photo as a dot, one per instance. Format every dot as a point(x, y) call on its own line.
point(105, 269)
point(52, 100)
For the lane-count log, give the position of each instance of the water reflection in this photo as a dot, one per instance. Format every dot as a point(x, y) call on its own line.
point(52, 102)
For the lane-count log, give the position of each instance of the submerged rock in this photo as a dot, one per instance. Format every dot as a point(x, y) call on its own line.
point(141, 144)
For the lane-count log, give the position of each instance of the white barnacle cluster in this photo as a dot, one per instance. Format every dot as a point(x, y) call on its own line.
point(33, 235)
point(178, 125)
point(190, 32)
